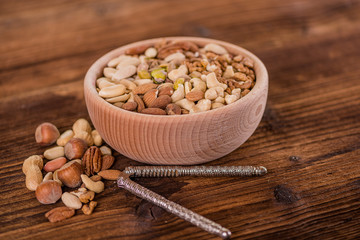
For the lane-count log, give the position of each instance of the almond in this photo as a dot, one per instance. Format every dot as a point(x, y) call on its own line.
point(173, 109)
point(137, 50)
point(195, 95)
point(150, 97)
point(129, 106)
point(142, 89)
point(167, 90)
point(161, 102)
point(110, 174)
point(140, 103)
point(154, 111)
point(107, 162)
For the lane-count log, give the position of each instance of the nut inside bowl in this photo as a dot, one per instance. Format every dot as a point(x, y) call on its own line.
point(177, 139)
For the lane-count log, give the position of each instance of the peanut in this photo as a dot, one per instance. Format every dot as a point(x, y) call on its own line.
point(32, 169)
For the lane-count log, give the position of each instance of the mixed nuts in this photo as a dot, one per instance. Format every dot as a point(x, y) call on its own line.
point(173, 78)
point(74, 163)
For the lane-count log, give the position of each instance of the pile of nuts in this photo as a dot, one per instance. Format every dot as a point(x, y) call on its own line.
point(75, 163)
point(176, 78)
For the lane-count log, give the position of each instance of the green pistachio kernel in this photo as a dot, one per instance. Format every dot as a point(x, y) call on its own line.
point(159, 75)
point(178, 81)
point(144, 74)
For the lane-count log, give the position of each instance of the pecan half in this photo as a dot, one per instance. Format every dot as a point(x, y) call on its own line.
point(60, 213)
point(92, 161)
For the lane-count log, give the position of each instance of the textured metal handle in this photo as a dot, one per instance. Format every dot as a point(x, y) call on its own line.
point(174, 208)
point(205, 171)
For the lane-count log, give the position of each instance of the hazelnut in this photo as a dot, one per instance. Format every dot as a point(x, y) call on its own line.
point(48, 192)
point(75, 148)
point(69, 174)
point(46, 134)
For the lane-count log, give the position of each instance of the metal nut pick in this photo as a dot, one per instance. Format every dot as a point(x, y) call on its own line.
point(206, 224)
point(204, 171)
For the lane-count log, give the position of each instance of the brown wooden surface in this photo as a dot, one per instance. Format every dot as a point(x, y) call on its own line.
point(309, 137)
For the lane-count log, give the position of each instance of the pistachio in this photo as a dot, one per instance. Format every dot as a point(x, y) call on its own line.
point(177, 82)
point(144, 74)
point(159, 75)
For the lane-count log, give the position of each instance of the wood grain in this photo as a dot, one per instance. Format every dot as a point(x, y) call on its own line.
point(309, 137)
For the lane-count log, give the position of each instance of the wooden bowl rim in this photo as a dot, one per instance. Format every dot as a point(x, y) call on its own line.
point(92, 75)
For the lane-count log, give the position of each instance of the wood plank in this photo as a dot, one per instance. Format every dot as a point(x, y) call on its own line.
point(309, 137)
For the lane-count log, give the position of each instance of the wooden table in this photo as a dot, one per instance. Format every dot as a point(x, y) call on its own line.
point(309, 137)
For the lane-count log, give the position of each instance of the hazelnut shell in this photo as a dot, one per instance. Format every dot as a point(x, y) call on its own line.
point(69, 174)
point(48, 192)
point(75, 148)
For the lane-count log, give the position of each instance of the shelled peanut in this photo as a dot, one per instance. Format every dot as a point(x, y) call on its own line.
point(73, 163)
point(176, 78)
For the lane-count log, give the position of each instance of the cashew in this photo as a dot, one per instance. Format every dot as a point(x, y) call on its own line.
point(142, 81)
point(124, 72)
point(220, 91)
point(176, 73)
point(97, 187)
point(178, 94)
point(198, 84)
point(230, 99)
point(201, 106)
point(121, 98)
point(215, 48)
point(175, 56)
point(128, 84)
point(104, 82)
point(211, 81)
point(186, 104)
point(211, 94)
point(219, 100)
point(229, 72)
point(216, 105)
point(187, 87)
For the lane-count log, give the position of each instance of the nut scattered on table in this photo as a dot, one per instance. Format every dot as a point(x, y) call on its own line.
point(65, 165)
point(147, 79)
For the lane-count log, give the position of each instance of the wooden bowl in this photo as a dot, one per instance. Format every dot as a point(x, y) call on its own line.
point(177, 139)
